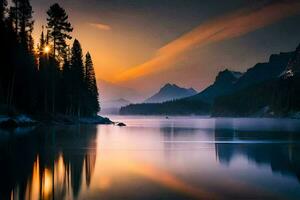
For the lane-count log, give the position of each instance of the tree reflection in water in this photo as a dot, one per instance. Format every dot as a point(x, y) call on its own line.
point(165, 161)
point(48, 165)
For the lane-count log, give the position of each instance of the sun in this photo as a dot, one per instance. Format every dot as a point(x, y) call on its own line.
point(47, 49)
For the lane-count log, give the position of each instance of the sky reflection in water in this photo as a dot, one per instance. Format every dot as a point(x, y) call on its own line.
point(154, 158)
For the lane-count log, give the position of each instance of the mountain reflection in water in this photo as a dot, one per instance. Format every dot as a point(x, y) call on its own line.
point(156, 158)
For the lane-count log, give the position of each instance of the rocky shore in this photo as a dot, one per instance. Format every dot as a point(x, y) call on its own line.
point(26, 120)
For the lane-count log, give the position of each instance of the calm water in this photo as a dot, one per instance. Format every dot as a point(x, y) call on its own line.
point(154, 158)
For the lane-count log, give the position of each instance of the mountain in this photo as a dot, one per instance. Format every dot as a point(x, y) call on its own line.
point(238, 94)
point(293, 65)
point(113, 106)
point(170, 92)
point(279, 96)
point(117, 103)
point(264, 71)
point(223, 84)
point(110, 92)
point(228, 82)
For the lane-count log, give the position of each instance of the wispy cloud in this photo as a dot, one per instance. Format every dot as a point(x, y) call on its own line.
point(222, 28)
point(103, 27)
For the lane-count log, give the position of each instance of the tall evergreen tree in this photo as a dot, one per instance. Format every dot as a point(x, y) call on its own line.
point(26, 24)
point(59, 28)
point(58, 33)
point(66, 103)
point(22, 69)
point(91, 84)
point(8, 47)
point(35, 82)
point(43, 74)
point(77, 73)
point(21, 14)
point(3, 50)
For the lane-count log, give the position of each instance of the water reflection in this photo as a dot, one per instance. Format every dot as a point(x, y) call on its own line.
point(51, 163)
point(174, 159)
point(279, 150)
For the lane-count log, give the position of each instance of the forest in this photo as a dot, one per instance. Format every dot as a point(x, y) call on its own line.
point(47, 78)
point(183, 106)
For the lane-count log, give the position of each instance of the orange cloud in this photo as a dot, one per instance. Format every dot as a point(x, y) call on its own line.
point(103, 27)
point(222, 28)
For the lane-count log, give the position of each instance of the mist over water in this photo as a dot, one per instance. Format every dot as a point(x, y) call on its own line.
point(154, 158)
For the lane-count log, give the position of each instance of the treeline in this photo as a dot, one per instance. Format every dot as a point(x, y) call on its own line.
point(53, 78)
point(278, 97)
point(176, 107)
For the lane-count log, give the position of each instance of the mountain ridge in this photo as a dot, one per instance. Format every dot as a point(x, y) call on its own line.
point(229, 86)
point(279, 96)
point(170, 92)
point(223, 83)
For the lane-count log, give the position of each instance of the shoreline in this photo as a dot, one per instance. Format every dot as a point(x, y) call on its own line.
point(22, 120)
point(290, 116)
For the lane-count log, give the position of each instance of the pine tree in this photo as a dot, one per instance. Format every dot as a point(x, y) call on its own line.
point(43, 75)
point(36, 82)
point(3, 50)
point(26, 24)
point(91, 85)
point(42, 44)
point(21, 14)
point(59, 28)
point(77, 74)
point(22, 69)
point(66, 103)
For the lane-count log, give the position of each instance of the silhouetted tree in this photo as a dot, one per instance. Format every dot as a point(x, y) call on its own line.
point(91, 84)
point(59, 29)
point(77, 73)
point(43, 75)
point(21, 14)
point(66, 86)
point(3, 4)
point(21, 69)
point(43, 82)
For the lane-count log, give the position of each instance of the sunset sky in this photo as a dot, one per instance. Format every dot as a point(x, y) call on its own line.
point(143, 44)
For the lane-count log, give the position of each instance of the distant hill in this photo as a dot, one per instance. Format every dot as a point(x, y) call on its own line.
point(116, 103)
point(113, 106)
point(232, 91)
point(110, 92)
point(179, 107)
point(170, 92)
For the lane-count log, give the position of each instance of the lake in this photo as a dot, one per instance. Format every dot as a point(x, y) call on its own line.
point(154, 158)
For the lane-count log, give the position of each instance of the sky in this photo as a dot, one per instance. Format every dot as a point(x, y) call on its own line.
point(143, 44)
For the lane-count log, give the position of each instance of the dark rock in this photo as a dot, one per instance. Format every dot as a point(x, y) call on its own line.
point(95, 120)
point(121, 124)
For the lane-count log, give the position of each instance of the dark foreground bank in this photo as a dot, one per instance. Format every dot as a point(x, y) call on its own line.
point(27, 120)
